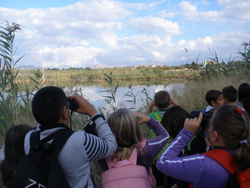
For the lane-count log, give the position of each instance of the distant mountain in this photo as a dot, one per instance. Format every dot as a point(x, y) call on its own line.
point(28, 67)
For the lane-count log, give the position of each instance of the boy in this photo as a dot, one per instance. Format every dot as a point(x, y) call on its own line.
point(51, 110)
point(230, 95)
point(161, 100)
point(214, 98)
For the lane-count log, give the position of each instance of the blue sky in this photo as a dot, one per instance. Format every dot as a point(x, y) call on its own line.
point(66, 33)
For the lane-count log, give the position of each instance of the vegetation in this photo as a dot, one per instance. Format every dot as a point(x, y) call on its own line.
point(121, 73)
point(17, 86)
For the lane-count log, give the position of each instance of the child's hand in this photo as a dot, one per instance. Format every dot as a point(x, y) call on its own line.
point(193, 124)
point(152, 103)
point(173, 101)
point(141, 118)
point(84, 106)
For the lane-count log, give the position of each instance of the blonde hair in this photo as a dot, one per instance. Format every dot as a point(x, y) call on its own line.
point(124, 125)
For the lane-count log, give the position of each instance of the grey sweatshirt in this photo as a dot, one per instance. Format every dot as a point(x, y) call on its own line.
point(79, 150)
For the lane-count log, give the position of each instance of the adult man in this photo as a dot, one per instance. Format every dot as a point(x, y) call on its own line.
point(51, 110)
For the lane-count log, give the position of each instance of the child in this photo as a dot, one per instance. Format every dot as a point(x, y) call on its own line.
point(228, 130)
point(230, 95)
point(214, 98)
point(161, 100)
point(244, 97)
point(51, 110)
point(173, 122)
point(14, 151)
point(125, 126)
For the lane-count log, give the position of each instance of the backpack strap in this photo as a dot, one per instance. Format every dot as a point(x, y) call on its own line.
point(36, 143)
point(60, 138)
point(157, 116)
point(189, 143)
point(224, 158)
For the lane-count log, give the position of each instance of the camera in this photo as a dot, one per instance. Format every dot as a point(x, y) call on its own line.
point(205, 122)
point(73, 105)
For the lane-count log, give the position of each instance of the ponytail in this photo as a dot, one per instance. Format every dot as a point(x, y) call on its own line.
point(125, 152)
point(242, 156)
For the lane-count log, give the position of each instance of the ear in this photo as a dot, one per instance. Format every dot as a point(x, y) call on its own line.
point(213, 103)
point(215, 136)
point(64, 113)
point(226, 100)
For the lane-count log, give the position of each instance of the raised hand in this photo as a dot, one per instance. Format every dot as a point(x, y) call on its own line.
point(84, 106)
point(141, 118)
point(193, 124)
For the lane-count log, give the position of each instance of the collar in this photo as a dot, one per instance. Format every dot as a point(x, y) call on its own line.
point(42, 128)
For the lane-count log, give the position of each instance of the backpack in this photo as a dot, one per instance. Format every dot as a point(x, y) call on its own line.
point(158, 118)
point(40, 168)
point(225, 159)
point(126, 173)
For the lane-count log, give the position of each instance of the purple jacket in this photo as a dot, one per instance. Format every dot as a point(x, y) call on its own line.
point(152, 146)
point(198, 169)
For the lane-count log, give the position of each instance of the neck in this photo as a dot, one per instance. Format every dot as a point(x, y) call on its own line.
point(231, 103)
point(162, 109)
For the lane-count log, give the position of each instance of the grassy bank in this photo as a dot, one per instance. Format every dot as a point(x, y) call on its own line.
point(122, 73)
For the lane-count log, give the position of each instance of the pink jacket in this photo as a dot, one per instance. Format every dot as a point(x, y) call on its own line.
point(126, 173)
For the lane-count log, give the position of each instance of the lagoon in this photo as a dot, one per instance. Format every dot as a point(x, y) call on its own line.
point(133, 95)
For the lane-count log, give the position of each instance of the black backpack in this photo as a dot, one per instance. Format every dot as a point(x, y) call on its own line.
point(40, 168)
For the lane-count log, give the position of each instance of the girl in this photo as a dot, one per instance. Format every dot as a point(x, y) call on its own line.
point(244, 97)
point(125, 126)
point(14, 151)
point(173, 121)
point(228, 130)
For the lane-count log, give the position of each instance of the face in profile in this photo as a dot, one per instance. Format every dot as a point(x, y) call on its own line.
point(219, 101)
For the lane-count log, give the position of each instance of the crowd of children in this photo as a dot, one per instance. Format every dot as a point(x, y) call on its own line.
point(208, 148)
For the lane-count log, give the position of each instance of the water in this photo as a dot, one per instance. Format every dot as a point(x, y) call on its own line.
point(96, 95)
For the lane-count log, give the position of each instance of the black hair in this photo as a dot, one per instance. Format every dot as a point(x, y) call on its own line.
point(14, 151)
point(47, 105)
point(244, 95)
point(230, 93)
point(162, 99)
point(173, 120)
point(212, 95)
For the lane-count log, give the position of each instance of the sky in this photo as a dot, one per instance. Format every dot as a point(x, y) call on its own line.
point(71, 33)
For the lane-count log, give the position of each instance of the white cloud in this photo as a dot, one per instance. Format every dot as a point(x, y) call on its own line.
point(144, 6)
point(150, 25)
point(102, 31)
point(155, 3)
point(68, 56)
point(166, 14)
point(152, 49)
point(235, 11)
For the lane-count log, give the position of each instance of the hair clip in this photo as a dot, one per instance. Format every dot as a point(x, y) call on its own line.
point(243, 141)
point(239, 111)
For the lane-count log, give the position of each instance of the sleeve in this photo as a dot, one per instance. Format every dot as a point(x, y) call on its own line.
point(156, 144)
point(180, 167)
point(103, 145)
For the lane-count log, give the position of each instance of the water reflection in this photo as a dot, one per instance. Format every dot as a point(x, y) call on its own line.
point(95, 94)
